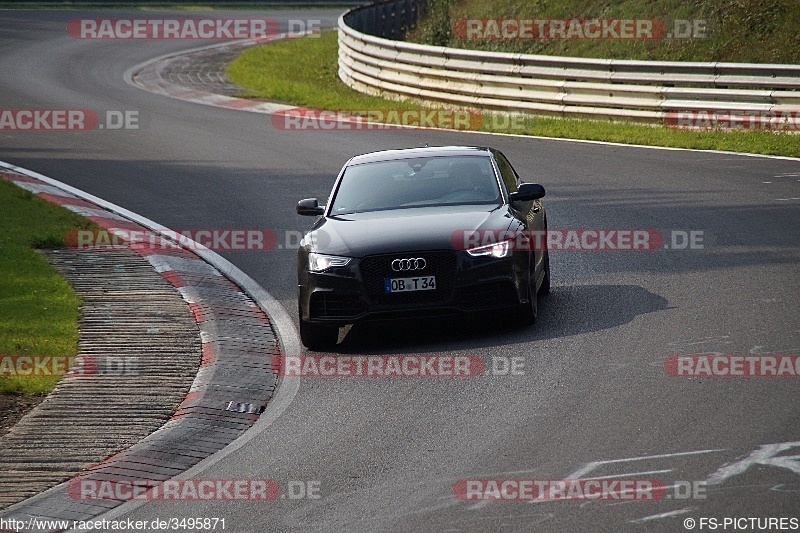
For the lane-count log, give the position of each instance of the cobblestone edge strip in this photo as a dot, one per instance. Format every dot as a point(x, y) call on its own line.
point(138, 353)
point(230, 391)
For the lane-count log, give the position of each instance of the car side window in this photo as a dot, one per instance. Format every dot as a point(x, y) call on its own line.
point(507, 172)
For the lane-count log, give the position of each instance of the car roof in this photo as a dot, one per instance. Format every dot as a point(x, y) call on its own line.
point(428, 151)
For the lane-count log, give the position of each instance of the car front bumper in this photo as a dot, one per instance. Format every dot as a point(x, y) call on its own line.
point(464, 284)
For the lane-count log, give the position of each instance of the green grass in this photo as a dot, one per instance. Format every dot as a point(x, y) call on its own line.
point(748, 31)
point(38, 310)
point(303, 72)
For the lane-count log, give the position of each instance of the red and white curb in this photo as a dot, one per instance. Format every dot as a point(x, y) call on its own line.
point(180, 267)
point(232, 386)
point(150, 76)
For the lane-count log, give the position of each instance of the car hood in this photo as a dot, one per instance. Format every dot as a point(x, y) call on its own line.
point(404, 230)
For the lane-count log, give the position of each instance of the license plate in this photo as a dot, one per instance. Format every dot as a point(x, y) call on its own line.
point(425, 283)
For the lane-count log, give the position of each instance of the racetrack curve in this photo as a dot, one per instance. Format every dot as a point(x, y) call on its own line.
point(387, 452)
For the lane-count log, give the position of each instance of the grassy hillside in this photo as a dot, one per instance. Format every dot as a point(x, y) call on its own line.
point(757, 31)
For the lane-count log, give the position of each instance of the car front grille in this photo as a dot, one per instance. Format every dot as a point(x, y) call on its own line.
point(376, 268)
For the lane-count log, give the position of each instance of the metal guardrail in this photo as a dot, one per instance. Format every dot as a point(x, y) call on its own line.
point(373, 59)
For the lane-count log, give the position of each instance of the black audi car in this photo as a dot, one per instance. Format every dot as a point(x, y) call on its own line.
point(421, 232)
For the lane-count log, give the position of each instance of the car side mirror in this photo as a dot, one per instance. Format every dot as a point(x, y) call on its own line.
point(527, 192)
point(310, 207)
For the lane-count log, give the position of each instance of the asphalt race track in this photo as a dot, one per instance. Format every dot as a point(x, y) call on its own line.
point(386, 453)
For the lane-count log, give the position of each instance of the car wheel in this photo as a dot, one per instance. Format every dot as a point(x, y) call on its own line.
point(544, 288)
point(318, 337)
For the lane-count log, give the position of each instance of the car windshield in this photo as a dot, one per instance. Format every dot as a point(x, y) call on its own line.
point(417, 182)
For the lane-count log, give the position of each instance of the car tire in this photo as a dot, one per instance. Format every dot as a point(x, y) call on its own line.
point(318, 337)
point(529, 311)
point(544, 288)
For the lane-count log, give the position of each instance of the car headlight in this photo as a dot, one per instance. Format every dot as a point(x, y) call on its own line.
point(498, 250)
point(321, 263)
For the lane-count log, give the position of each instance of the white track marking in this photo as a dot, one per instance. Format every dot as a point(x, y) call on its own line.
point(766, 455)
point(669, 514)
point(645, 473)
point(588, 467)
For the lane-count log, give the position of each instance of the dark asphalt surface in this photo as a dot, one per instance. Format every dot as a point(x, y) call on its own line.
point(386, 453)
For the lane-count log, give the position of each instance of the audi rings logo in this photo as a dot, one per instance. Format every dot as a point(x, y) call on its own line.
point(403, 265)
